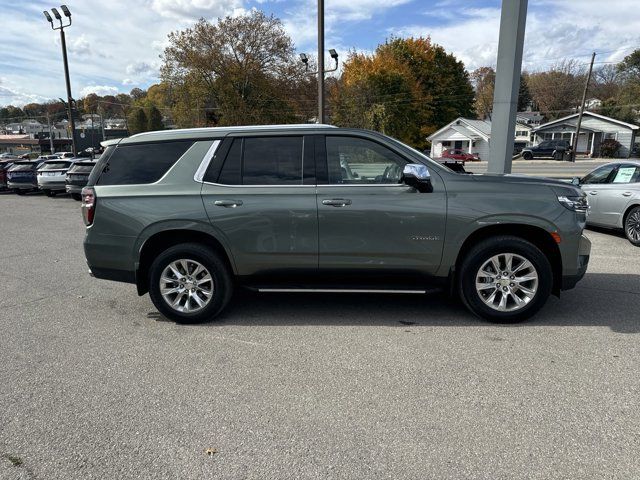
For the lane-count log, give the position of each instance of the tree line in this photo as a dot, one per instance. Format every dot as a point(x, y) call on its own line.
point(244, 70)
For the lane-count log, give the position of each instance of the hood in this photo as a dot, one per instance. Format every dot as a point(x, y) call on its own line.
point(564, 188)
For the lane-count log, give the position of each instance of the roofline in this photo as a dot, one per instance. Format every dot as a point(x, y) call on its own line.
point(597, 115)
point(448, 125)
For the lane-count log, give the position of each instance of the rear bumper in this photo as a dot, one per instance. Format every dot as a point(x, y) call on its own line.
point(74, 188)
point(58, 185)
point(21, 185)
point(113, 274)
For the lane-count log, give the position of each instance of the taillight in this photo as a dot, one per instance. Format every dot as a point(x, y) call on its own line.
point(88, 205)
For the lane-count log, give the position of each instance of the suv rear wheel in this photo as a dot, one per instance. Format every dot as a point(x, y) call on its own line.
point(505, 279)
point(189, 283)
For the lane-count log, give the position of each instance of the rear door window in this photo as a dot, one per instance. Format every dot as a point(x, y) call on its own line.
point(141, 163)
point(264, 161)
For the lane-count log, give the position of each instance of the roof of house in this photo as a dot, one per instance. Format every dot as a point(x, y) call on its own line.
point(587, 113)
point(468, 127)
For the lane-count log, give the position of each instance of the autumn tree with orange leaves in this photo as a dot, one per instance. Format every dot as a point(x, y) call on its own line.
point(408, 89)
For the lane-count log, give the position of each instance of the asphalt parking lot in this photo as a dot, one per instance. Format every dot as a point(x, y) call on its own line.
point(95, 384)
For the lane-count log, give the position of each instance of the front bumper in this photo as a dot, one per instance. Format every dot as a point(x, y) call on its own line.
point(584, 252)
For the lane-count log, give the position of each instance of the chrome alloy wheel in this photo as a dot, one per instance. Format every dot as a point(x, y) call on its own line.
point(507, 282)
point(633, 226)
point(186, 286)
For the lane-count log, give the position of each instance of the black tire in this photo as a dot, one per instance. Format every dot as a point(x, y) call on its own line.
point(223, 285)
point(49, 193)
point(632, 226)
point(76, 196)
point(527, 156)
point(481, 253)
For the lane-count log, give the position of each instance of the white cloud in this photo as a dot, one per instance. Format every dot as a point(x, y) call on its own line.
point(99, 90)
point(194, 9)
point(10, 95)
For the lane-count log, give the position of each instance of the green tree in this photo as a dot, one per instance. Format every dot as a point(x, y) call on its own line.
point(241, 67)
point(154, 119)
point(483, 80)
point(137, 121)
point(524, 95)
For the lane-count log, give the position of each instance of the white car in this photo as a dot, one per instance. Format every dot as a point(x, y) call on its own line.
point(613, 192)
point(52, 175)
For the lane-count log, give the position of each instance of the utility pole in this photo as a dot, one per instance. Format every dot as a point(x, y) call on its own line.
point(513, 21)
point(584, 100)
point(50, 134)
point(320, 61)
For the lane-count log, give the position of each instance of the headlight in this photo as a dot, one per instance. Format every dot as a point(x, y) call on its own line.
point(576, 204)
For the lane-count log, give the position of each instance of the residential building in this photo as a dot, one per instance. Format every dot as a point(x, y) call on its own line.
point(594, 129)
point(473, 136)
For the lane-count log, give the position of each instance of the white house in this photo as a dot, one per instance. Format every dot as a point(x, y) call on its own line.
point(472, 136)
point(594, 129)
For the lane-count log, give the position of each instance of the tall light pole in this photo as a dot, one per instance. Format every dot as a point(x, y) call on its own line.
point(320, 61)
point(320, 72)
point(62, 26)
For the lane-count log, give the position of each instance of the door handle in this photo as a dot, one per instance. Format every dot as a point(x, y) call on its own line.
point(336, 202)
point(228, 203)
point(627, 194)
point(593, 193)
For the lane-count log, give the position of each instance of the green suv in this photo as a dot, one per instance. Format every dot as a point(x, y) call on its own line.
point(189, 215)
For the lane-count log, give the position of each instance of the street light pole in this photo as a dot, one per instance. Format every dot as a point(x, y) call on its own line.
point(67, 14)
point(320, 61)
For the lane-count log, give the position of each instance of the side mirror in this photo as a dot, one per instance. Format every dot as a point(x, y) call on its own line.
point(575, 181)
point(417, 176)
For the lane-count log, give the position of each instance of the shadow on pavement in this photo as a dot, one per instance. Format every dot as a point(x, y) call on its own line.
point(600, 300)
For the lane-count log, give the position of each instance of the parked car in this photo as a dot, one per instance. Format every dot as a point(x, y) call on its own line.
point(77, 177)
point(457, 154)
point(613, 192)
point(64, 155)
point(8, 156)
point(5, 164)
point(52, 174)
point(22, 178)
point(547, 149)
point(188, 214)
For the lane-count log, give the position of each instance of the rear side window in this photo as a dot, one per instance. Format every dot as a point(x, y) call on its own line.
point(139, 164)
point(263, 161)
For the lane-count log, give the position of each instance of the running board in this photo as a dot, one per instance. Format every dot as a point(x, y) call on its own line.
point(336, 290)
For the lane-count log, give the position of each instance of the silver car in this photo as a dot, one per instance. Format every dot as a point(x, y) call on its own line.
point(52, 175)
point(613, 191)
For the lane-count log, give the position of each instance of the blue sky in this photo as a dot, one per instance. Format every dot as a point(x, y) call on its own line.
point(115, 45)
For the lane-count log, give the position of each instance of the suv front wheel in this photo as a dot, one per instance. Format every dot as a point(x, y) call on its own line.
point(505, 279)
point(189, 283)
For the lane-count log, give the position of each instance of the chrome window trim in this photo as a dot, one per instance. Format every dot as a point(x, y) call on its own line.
point(404, 185)
point(206, 160)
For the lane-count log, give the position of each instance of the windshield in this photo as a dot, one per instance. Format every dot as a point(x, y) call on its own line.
point(55, 165)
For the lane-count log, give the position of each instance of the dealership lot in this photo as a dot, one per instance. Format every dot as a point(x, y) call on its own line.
point(95, 384)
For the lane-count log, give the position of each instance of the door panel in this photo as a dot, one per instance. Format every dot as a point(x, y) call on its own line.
point(264, 204)
point(370, 221)
point(274, 228)
point(381, 228)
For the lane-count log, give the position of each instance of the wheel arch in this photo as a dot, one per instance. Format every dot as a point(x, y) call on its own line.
point(536, 235)
point(628, 210)
point(160, 241)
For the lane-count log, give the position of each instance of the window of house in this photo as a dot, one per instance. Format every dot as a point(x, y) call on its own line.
point(446, 143)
